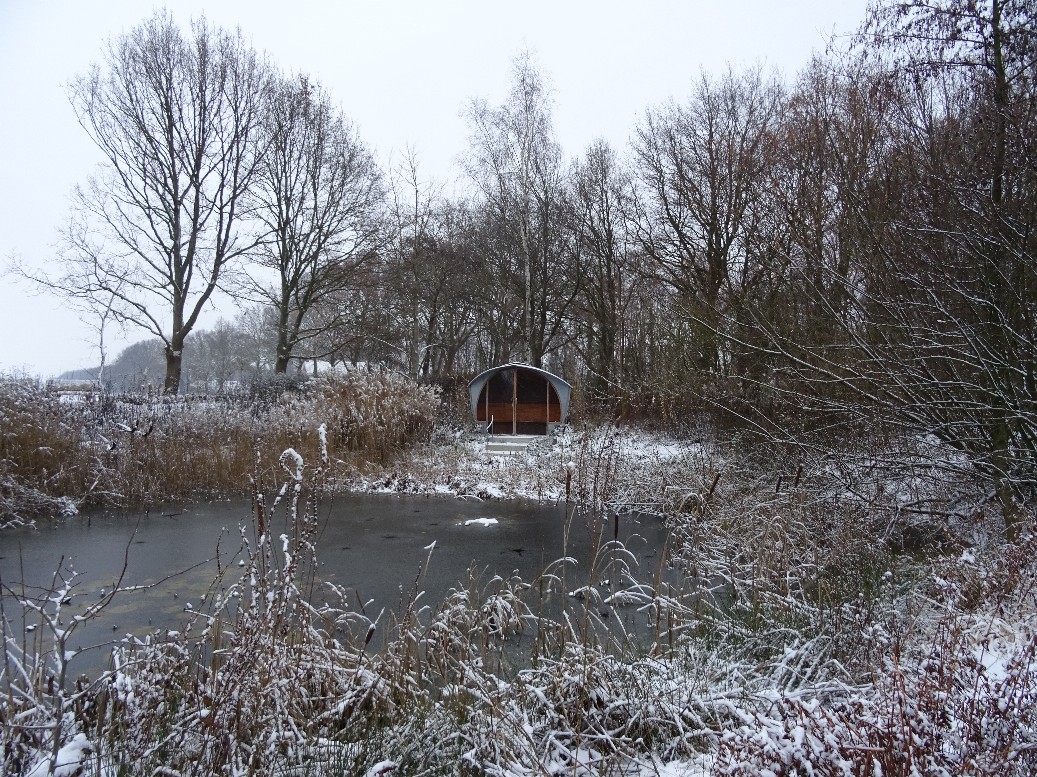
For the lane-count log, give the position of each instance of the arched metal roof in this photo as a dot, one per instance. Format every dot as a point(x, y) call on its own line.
point(561, 387)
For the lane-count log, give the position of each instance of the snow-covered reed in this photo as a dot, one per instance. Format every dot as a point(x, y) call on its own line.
point(56, 456)
point(789, 633)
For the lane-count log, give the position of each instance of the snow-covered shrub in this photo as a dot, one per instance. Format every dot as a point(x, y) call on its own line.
point(617, 468)
point(41, 707)
point(791, 633)
point(960, 710)
point(952, 690)
point(260, 679)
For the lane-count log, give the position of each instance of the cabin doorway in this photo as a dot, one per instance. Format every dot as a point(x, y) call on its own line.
point(518, 400)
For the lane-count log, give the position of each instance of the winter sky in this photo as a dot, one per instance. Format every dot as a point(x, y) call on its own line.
point(404, 70)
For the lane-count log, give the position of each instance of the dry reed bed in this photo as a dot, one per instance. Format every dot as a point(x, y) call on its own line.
point(800, 639)
point(58, 455)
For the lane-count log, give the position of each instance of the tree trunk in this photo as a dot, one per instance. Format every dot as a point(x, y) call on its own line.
point(284, 337)
point(174, 366)
point(1000, 465)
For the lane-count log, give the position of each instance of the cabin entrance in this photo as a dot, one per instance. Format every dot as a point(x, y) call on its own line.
point(517, 400)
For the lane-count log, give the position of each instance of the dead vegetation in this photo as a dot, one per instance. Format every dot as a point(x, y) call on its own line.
point(59, 452)
point(798, 633)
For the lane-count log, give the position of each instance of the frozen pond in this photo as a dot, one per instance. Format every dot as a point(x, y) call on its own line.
point(372, 544)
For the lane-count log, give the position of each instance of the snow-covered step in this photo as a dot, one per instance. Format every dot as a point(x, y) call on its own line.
point(508, 445)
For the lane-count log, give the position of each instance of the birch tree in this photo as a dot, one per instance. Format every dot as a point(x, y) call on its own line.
point(516, 163)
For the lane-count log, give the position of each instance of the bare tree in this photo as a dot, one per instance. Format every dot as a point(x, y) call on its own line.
point(960, 274)
point(415, 286)
point(319, 195)
point(517, 165)
point(938, 330)
point(257, 335)
point(611, 277)
point(431, 274)
point(834, 137)
point(175, 116)
point(701, 167)
point(458, 262)
point(217, 356)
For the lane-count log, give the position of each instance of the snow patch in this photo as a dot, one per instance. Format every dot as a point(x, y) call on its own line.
point(70, 761)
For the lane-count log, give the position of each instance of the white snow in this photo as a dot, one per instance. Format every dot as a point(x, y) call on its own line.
point(71, 758)
point(644, 465)
point(649, 473)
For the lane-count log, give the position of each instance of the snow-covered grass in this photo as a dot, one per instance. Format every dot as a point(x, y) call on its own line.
point(56, 457)
point(943, 682)
point(35, 442)
point(823, 611)
point(615, 467)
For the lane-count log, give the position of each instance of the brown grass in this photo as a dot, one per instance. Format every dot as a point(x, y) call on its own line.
point(56, 454)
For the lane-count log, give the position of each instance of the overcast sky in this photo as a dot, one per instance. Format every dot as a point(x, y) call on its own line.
point(404, 70)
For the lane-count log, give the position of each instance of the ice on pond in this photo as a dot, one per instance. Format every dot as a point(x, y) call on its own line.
point(481, 521)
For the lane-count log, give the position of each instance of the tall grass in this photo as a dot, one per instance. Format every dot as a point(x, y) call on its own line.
point(56, 455)
point(793, 635)
point(40, 453)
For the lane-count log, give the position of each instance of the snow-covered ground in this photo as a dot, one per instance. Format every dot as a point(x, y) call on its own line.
point(800, 639)
point(619, 467)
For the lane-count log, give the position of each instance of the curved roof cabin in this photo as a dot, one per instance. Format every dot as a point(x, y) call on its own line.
point(519, 399)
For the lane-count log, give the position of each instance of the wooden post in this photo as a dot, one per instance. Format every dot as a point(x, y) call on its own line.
point(514, 401)
point(486, 389)
point(547, 418)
